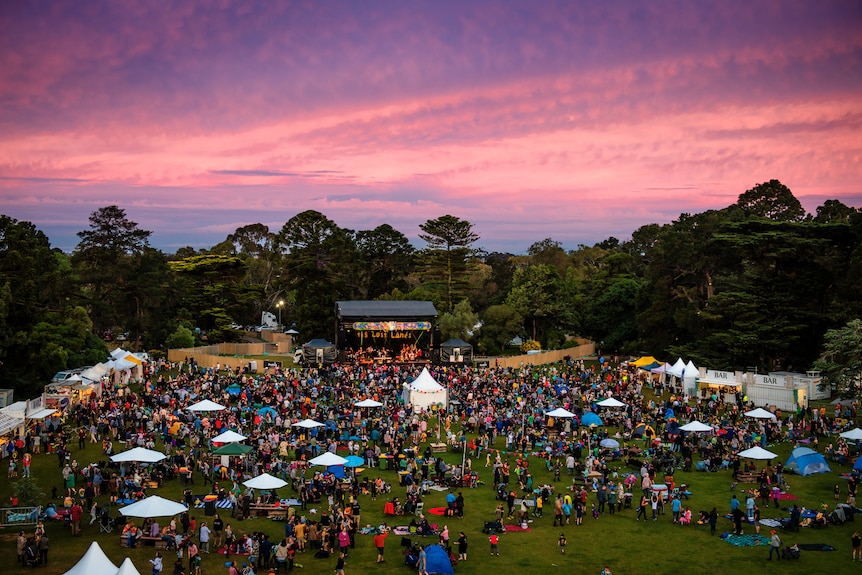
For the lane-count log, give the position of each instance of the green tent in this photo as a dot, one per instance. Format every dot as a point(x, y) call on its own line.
point(233, 449)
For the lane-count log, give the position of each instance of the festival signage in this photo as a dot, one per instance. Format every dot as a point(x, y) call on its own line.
point(392, 325)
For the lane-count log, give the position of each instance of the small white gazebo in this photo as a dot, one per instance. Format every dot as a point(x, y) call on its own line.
point(328, 459)
point(265, 481)
point(229, 436)
point(611, 402)
point(760, 413)
point(93, 561)
point(138, 455)
point(206, 405)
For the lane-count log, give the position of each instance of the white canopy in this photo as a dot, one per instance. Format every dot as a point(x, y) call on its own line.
point(425, 382)
point(153, 506)
point(139, 455)
point(327, 459)
point(265, 481)
point(677, 369)
point(205, 405)
point(560, 413)
point(41, 414)
point(367, 403)
point(228, 436)
point(853, 435)
point(611, 402)
point(757, 453)
point(695, 426)
point(690, 370)
point(760, 413)
point(127, 568)
point(94, 561)
point(118, 353)
point(307, 424)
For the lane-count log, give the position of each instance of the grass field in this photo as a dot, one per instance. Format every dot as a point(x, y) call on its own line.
point(626, 546)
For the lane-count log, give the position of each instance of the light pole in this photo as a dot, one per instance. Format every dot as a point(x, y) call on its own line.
point(279, 305)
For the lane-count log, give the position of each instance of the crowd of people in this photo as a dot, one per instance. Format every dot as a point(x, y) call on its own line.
point(493, 406)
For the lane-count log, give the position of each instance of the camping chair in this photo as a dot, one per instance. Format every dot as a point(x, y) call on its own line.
point(31, 557)
point(419, 507)
point(105, 523)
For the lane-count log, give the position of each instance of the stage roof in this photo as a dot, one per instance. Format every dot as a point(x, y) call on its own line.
point(384, 309)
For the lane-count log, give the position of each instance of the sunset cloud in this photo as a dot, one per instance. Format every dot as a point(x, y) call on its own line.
point(565, 120)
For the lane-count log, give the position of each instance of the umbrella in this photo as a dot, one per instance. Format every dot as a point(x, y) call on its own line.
point(560, 412)
point(139, 455)
point(757, 453)
point(669, 413)
point(264, 410)
point(610, 402)
point(265, 481)
point(642, 429)
point(591, 419)
point(328, 459)
point(153, 506)
point(233, 389)
point(233, 449)
point(228, 436)
point(205, 405)
point(93, 561)
point(127, 568)
point(853, 435)
point(760, 413)
point(308, 424)
point(695, 426)
point(354, 461)
point(609, 443)
point(368, 403)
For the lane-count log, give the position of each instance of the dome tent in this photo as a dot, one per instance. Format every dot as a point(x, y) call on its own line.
point(456, 351)
point(437, 561)
point(806, 461)
point(318, 351)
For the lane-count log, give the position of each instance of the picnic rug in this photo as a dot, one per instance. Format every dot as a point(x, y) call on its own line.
point(752, 540)
point(437, 511)
point(816, 547)
point(512, 528)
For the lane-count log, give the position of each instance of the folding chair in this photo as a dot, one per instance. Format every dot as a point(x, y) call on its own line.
point(105, 523)
point(419, 507)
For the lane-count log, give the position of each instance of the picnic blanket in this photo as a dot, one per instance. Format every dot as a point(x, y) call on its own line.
point(512, 528)
point(437, 511)
point(223, 504)
point(747, 540)
point(771, 522)
point(788, 496)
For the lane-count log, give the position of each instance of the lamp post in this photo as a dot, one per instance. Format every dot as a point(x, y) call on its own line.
point(278, 306)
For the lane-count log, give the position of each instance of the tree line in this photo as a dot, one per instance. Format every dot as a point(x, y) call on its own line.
point(756, 284)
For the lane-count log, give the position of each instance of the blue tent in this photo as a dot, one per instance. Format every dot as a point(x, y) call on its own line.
point(858, 465)
point(591, 419)
point(438, 561)
point(806, 461)
point(669, 413)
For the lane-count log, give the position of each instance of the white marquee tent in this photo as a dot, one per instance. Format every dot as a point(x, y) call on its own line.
point(93, 561)
point(425, 391)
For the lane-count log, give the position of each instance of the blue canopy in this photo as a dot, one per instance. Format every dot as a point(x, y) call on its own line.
point(669, 413)
point(354, 461)
point(591, 419)
point(264, 410)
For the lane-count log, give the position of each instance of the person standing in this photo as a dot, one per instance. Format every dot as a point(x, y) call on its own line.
point(775, 545)
point(380, 542)
point(75, 513)
point(218, 531)
point(204, 537)
point(157, 563)
point(339, 565)
point(21, 546)
point(855, 543)
point(713, 519)
point(43, 549)
point(423, 561)
point(494, 540)
point(462, 546)
point(561, 543)
point(756, 518)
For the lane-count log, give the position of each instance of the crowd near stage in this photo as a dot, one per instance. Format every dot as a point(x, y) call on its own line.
point(370, 332)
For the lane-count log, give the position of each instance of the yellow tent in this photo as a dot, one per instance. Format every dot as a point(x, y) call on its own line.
point(645, 360)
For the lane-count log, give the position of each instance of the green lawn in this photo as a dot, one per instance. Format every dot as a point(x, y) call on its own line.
point(628, 547)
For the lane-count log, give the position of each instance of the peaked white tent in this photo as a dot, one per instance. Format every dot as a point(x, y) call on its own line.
point(328, 458)
point(138, 455)
point(677, 369)
point(93, 561)
point(205, 405)
point(560, 413)
point(153, 506)
point(689, 378)
point(127, 568)
point(229, 436)
point(695, 426)
point(760, 413)
point(265, 481)
point(308, 424)
point(425, 391)
point(854, 434)
point(757, 452)
point(611, 402)
point(368, 403)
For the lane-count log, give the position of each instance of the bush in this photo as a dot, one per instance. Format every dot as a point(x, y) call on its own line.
point(530, 345)
point(27, 492)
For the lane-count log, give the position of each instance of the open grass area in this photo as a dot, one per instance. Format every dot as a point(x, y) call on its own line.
point(627, 546)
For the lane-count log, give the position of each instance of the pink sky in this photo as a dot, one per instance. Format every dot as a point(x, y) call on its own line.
point(570, 120)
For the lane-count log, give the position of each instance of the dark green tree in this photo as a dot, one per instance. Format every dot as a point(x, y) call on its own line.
point(500, 324)
point(840, 363)
point(387, 260)
point(772, 200)
point(445, 261)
